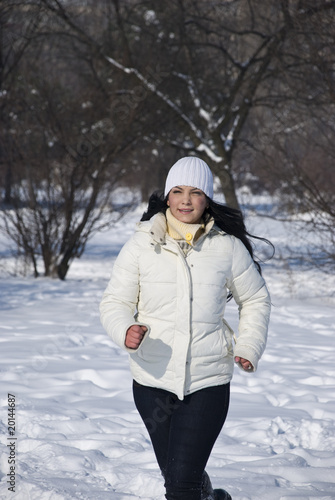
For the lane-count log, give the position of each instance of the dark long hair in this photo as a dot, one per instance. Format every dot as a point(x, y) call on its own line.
point(230, 220)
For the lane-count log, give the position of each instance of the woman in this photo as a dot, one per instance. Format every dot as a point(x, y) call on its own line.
point(165, 304)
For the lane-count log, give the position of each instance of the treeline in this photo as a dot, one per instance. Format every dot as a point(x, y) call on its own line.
point(100, 94)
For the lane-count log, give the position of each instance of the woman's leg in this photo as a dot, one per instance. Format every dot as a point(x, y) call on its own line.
point(183, 433)
point(156, 407)
point(194, 428)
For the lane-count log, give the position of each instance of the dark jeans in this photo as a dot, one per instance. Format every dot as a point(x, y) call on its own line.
point(183, 433)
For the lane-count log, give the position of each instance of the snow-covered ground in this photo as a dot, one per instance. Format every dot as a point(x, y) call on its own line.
point(78, 435)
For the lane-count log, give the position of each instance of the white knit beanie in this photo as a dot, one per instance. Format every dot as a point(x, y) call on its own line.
point(190, 171)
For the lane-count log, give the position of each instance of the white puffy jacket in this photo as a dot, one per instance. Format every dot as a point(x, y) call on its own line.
point(181, 300)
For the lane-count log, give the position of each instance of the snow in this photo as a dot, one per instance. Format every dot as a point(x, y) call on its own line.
point(78, 433)
point(230, 137)
point(214, 157)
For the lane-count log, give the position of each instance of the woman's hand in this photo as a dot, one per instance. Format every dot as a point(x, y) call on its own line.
point(245, 363)
point(134, 336)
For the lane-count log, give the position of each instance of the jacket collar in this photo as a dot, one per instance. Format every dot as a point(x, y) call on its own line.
point(158, 228)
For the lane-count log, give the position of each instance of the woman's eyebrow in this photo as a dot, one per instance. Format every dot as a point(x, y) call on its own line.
point(182, 189)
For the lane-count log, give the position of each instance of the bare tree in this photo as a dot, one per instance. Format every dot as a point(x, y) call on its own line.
point(62, 192)
point(218, 60)
point(16, 33)
point(108, 90)
point(67, 149)
point(289, 150)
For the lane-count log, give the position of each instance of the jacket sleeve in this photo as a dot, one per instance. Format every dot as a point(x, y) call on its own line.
point(119, 301)
point(250, 293)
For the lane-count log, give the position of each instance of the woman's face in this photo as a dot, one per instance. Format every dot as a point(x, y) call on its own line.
point(187, 204)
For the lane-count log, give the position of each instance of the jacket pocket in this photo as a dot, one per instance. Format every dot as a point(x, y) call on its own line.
point(213, 348)
point(229, 335)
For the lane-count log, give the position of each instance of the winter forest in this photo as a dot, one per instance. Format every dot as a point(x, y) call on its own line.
point(97, 100)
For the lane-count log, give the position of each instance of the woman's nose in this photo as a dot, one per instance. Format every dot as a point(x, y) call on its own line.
point(186, 199)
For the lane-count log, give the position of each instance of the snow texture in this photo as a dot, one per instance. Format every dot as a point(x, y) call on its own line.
point(78, 433)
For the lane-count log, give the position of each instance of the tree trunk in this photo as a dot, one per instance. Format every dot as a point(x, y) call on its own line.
point(8, 186)
point(228, 187)
point(62, 269)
